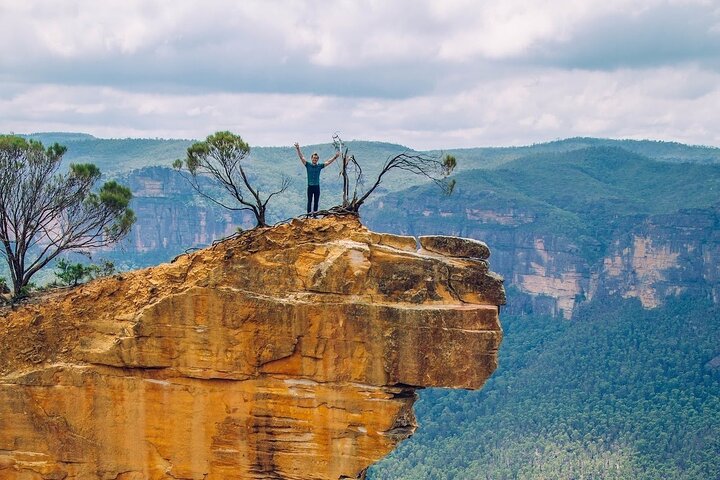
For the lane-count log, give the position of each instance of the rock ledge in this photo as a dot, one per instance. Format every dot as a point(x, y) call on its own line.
point(287, 353)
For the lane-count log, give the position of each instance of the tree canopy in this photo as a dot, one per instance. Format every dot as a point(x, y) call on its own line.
point(44, 212)
point(221, 157)
point(620, 392)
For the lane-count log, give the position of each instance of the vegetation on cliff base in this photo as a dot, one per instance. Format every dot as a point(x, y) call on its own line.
point(622, 393)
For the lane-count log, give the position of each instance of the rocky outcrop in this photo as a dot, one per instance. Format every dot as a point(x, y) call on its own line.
point(647, 257)
point(292, 352)
point(459, 247)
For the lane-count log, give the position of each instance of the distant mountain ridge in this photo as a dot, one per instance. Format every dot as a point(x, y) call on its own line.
point(123, 154)
point(655, 149)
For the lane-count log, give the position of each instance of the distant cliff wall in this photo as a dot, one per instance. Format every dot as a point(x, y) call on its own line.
point(172, 218)
point(648, 257)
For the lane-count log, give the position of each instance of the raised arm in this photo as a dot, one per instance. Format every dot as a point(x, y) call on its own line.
point(302, 159)
point(337, 154)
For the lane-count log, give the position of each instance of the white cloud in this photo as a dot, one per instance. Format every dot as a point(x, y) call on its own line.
point(425, 73)
point(546, 105)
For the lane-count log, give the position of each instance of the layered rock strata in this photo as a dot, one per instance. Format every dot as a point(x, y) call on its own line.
point(284, 353)
point(648, 257)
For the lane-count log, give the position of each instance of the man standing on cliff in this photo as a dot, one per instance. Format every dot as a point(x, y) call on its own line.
point(313, 177)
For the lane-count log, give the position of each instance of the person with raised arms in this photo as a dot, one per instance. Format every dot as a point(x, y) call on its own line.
point(313, 168)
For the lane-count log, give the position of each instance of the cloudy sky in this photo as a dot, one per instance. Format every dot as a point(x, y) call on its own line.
point(423, 73)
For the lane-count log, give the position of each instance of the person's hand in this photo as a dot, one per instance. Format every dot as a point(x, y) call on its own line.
point(297, 145)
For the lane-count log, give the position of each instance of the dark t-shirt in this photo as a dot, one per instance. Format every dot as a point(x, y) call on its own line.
point(313, 173)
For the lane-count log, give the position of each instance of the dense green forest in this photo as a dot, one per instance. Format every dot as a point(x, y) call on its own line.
point(618, 393)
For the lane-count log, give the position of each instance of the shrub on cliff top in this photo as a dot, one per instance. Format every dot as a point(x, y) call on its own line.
point(72, 274)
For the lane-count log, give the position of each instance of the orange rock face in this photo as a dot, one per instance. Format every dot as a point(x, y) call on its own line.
point(286, 353)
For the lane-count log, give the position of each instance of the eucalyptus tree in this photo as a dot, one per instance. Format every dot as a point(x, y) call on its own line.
point(45, 211)
point(221, 157)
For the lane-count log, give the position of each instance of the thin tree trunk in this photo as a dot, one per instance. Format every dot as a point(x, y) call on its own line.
point(346, 182)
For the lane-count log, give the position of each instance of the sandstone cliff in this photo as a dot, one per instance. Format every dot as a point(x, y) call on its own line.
point(292, 352)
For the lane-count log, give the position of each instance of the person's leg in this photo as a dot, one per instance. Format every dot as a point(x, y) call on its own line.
point(317, 198)
point(309, 198)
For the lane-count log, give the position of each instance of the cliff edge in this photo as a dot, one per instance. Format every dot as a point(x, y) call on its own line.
point(285, 353)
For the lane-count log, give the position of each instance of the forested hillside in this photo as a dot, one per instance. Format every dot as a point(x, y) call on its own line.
point(582, 193)
point(564, 227)
point(610, 366)
point(620, 392)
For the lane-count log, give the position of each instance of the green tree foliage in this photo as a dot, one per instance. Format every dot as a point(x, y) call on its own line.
point(72, 274)
point(69, 274)
point(221, 157)
point(44, 212)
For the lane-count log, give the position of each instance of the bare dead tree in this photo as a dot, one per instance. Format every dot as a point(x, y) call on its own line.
point(437, 169)
point(220, 157)
point(349, 168)
point(44, 212)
